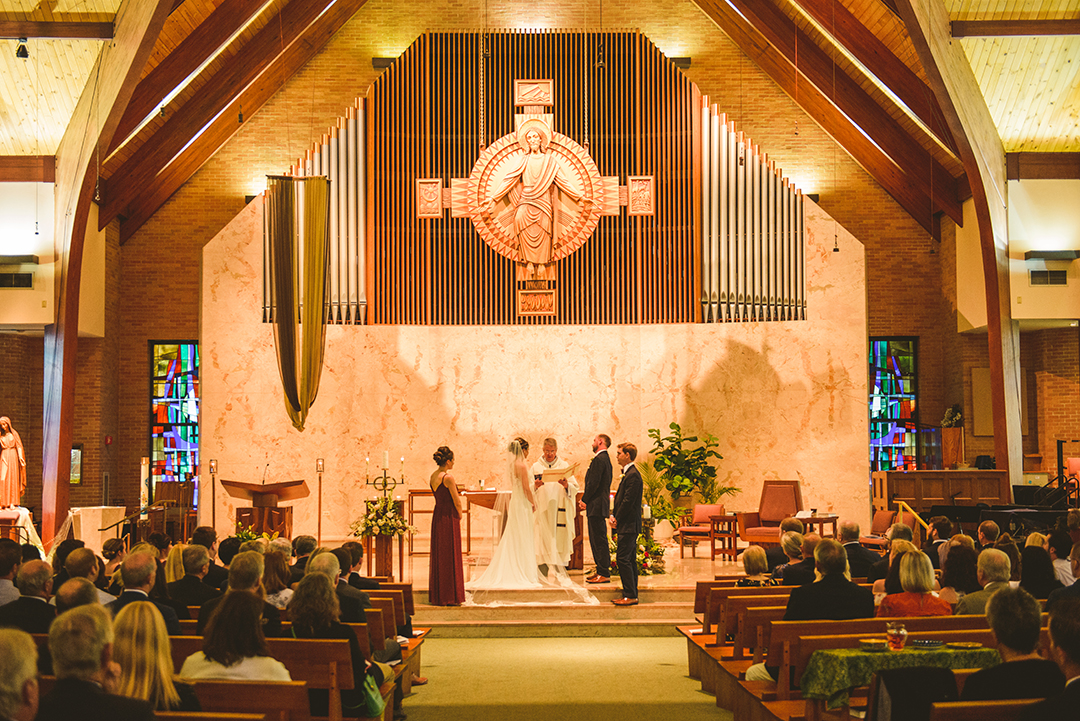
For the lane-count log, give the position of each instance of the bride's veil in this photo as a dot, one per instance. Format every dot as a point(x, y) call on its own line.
point(502, 500)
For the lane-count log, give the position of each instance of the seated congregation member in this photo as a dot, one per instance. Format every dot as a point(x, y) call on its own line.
point(276, 579)
point(791, 544)
point(31, 611)
point(756, 567)
point(352, 608)
point(82, 563)
point(1037, 575)
point(302, 548)
point(30, 552)
point(344, 558)
point(113, 552)
point(1060, 544)
point(191, 590)
point(206, 537)
point(357, 581)
point(1065, 651)
point(802, 573)
point(63, 550)
point(880, 569)
point(993, 573)
point(74, 593)
point(234, 646)
point(1015, 620)
point(917, 599)
point(1036, 539)
point(941, 531)
point(988, 534)
point(227, 550)
point(245, 575)
point(1008, 546)
point(81, 644)
point(162, 542)
point(174, 564)
point(1071, 591)
point(891, 582)
point(959, 576)
point(142, 649)
point(138, 573)
point(315, 612)
point(833, 597)
point(859, 558)
point(18, 675)
point(775, 554)
point(10, 559)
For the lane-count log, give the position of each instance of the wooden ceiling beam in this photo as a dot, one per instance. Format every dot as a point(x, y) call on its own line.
point(895, 180)
point(876, 56)
point(185, 59)
point(56, 30)
point(187, 163)
point(1013, 28)
point(27, 168)
point(235, 74)
point(818, 67)
point(1042, 166)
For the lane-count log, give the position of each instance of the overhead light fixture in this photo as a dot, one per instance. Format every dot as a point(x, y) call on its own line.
point(21, 51)
point(382, 63)
point(1066, 255)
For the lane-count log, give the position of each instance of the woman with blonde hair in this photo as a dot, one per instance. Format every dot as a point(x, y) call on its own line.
point(174, 564)
point(917, 598)
point(891, 582)
point(756, 566)
point(142, 650)
point(792, 543)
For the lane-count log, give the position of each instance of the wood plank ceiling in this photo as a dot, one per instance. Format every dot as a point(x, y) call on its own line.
point(852, 61)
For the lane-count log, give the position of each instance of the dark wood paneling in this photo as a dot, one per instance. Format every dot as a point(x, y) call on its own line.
point(27, 169)
point(72, 30)
point(1042, 166)
point(1017, 28)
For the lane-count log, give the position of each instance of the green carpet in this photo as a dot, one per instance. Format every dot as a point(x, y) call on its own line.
point(521, 679)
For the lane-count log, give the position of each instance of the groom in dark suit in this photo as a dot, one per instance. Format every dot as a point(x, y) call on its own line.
point(626, 520)
point(594, 501)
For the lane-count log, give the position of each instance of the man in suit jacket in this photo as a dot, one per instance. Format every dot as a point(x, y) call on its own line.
point(302, 548)
point(595, 502)
point(626, 520)
point(775, 554)
point(18, 669)
point(834, 597)
point(31, 611)
point(139, 572)
point(940, 533)
point(1065, 651)
point(86, 676)
point(191, 590)
point(10, 558)
point(859, 559)
point(347, 595)
point(245, 576)
point(993, 574)
point(802, 573)
point(357, 581)
point(205, 536)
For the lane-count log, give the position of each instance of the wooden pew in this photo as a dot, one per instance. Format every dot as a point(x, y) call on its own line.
point(278, 700)
point(717, 597)
point(728, 622)
point(979, 710)
point(398, 598)
point(207, 716)
point(407, 592)
point(189, 628)
point(386, 605)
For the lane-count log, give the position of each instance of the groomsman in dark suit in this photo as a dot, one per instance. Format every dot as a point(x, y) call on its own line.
point(626, 520)
point(594, 501)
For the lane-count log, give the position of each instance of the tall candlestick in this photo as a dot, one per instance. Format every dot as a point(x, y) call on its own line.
point(403, 466)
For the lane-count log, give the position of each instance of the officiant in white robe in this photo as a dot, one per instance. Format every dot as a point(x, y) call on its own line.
point(556, 507)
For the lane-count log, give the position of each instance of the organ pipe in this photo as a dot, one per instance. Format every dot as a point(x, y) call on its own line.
point(752, 231)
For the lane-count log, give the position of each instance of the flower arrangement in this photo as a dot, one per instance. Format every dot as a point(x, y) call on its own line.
point(247, 533)
point(381, 518)
point(650, 556)
point(953, 417)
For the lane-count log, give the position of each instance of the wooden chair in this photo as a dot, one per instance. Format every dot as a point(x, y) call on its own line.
point(698, 526)
point(779, 500)
point(278, 700)
point(876, 540)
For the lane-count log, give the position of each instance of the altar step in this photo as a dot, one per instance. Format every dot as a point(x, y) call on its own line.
point(659, 612)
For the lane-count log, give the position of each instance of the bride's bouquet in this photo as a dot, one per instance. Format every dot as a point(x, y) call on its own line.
point(381, 518)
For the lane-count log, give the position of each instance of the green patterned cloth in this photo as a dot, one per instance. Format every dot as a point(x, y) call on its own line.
point(830, 675)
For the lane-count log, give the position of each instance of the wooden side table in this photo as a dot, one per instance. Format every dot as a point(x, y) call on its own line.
point(723, 532)
point(821, 522)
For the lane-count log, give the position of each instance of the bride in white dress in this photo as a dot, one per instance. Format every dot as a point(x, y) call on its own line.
point(513, 565)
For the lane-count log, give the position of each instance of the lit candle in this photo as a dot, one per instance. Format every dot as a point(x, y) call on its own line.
point(403, 466)
point(386, 459)
point(367, 466)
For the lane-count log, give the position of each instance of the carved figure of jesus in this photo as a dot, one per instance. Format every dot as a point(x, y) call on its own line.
point(529, 187)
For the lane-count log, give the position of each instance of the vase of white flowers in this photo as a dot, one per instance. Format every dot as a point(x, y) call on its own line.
point(383, 519)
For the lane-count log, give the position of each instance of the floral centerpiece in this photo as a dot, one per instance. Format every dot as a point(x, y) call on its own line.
point(381, 518)
point(650, 556)
point(247, 533)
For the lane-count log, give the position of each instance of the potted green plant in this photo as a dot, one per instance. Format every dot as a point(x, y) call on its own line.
point(685, 463)
point(654, 495)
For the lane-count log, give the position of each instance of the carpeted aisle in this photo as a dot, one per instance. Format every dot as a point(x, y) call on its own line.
point(542, 679)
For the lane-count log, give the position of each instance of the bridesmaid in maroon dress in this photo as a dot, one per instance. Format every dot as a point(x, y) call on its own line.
point(446, 582)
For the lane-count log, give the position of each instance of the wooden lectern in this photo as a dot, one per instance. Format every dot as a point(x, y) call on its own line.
point(265, 516)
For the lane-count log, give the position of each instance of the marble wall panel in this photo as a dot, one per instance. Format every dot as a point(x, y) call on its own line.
point(787, 400)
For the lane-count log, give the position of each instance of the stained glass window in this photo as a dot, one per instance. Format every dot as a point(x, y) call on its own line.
point(174, 414)
point(894, 412)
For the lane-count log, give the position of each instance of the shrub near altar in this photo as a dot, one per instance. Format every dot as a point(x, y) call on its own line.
point(650, 556)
